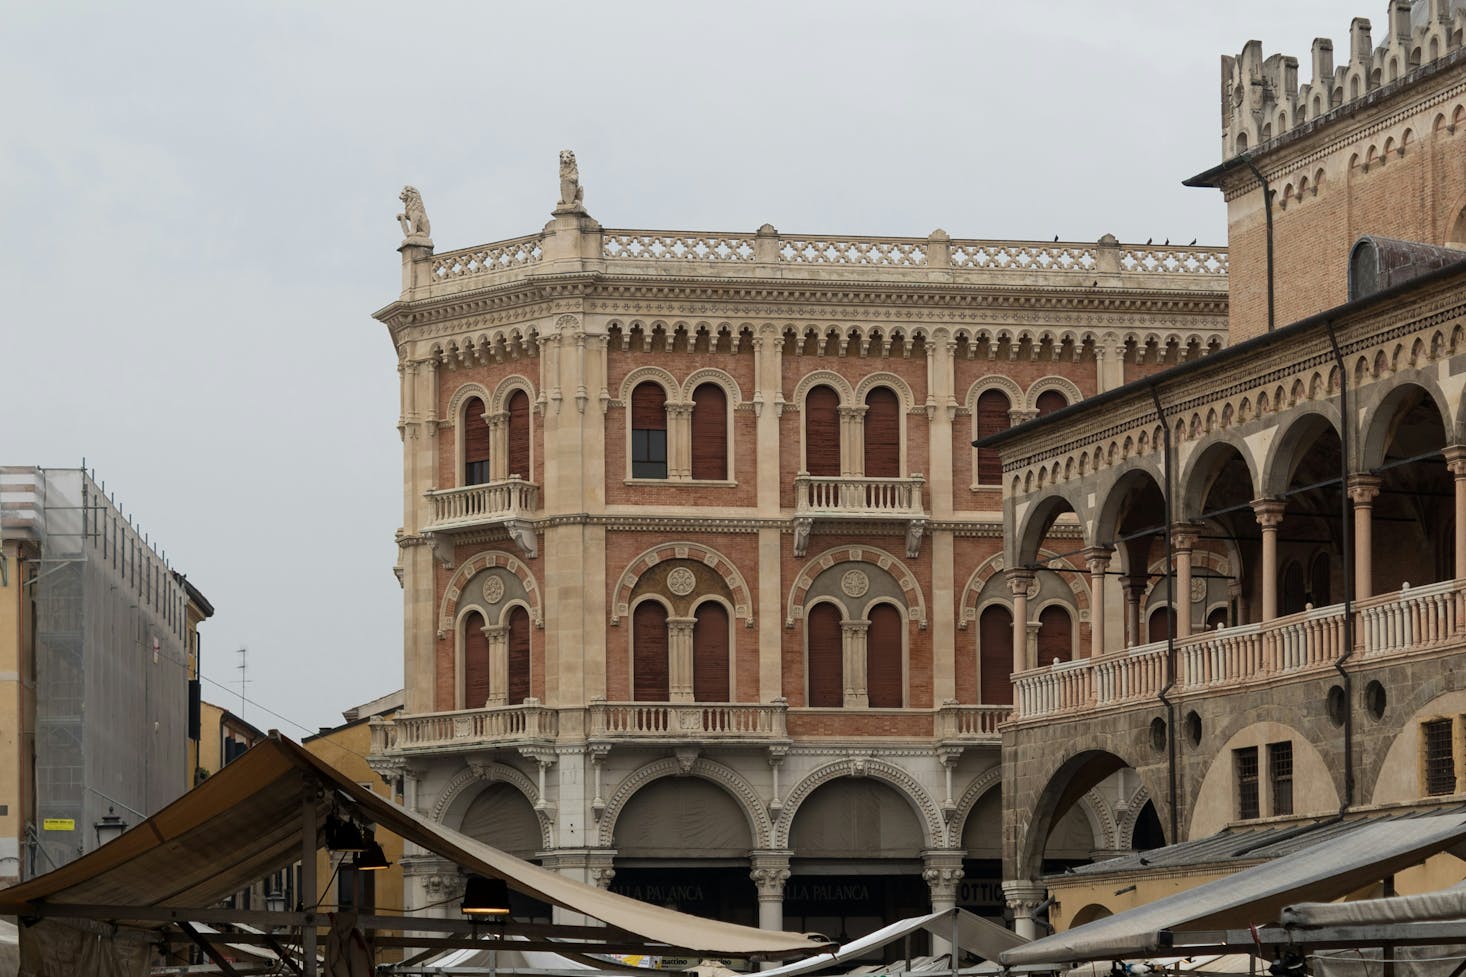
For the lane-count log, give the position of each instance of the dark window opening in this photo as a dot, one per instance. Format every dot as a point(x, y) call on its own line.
point(475, 443)
point(648, 432)
point(1245, 764)
point(1280, 776)
point(1440, 759)
point(992, 417)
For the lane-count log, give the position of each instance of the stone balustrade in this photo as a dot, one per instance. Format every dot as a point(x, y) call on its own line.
point(861, 498)
point(476, 505)
point(529, 722)
point(971, 724)
point(767, 252)
point(688, 721)
point(1409, 621)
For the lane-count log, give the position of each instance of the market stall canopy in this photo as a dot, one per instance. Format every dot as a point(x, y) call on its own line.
point(976, 935)
point(1327, 870)
point(249, 820)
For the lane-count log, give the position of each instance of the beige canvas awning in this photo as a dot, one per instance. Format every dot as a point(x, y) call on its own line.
point(1327, 870)
point(250, 819)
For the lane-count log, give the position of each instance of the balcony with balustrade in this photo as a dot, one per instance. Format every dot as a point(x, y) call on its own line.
point(1415, 621)
point(510, 504)
point(688, 723)
point(857, 499)
point(528, 725)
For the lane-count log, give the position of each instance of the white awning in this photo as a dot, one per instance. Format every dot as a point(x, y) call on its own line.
point(1445, 904)
point(974, 934)
point(1327, 870)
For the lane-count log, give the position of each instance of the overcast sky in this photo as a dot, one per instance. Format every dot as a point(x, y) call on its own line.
point(200, 204)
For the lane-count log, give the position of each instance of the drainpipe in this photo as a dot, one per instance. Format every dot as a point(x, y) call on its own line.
point(1171, 786)
point(1267, 211)
point(1347, 544)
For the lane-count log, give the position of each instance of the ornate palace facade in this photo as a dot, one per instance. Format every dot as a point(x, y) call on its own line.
point(704, 581)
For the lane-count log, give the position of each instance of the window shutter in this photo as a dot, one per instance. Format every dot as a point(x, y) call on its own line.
point(709, 432)
point(649, 662)
point(822, 432)
point(475, 443)
point(518, 656)
point(882, 434)
point(995, 656)
point(1050, 401)
point(475, 663)
point(826, 673)
point(1055, 636)
point(992, 417)
point(648, 408)
point(519, 435)
point(883, 683)
point(710, 654)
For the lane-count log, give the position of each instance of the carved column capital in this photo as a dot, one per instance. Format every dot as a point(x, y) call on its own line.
point(1184, 536)
point(1364, 489)
point(942, 870)
point(769, 870)
point(1455, 456)
point(1020, 581)
point(1269, 512)
point(1097, 558)
point(1023, 896)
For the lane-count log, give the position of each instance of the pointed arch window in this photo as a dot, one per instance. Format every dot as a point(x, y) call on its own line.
point(648, 431)
point(476, 443)
point(709, 432)
point(649, 678)
point(710, 654)
point(992, 417)
point(825, 653)
point(822, 431)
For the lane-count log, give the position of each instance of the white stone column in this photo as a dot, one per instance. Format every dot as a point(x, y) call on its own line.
point(1023, 897)
point(679, 441)
point(1456, 462)
point(1097, 559)
point(1134, 587)
point(1183, 540)
point(1018, 583)
point(679, 657)
point(769, 870)
point(1269, 517)
point(942, 870)
point(498, 635)
point(853, 636)
point(1363, 490)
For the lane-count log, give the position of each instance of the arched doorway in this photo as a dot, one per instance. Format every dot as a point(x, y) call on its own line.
point(501, 816)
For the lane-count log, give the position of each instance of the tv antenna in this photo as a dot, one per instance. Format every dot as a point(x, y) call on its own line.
point(243, 667)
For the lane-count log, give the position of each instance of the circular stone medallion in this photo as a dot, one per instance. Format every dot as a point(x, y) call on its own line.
point(493, 590)
point(855, 583)
point(681, 581)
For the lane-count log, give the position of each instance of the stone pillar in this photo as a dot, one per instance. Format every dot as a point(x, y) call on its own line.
point(1183, 539)
point(1363, 489)
point(1097, 558)
point(852, 441)
point(498, 445)
point(1456, 462)
point(769, 871)
point(1023, 897)
point(498, 635)
point(1134, 587)
point(679, 658)
point(852, 642)
point(1269, 517)
point(679, 441)
point(942, 870)
point(1018, 583)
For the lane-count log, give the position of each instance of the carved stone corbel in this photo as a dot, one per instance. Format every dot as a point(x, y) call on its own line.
point(802, 527)
point(521, 531)
point(915, 529)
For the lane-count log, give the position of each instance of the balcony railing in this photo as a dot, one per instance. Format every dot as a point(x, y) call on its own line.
point(971, 724)
point(690, 721)
point(530, 722)
point(1409, 621)
point(859, 498)
point(479, 505)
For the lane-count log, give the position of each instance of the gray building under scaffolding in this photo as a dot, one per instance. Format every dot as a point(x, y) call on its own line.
point(98, 669)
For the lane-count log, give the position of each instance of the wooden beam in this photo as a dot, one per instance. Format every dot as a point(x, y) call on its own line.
point(224, 965)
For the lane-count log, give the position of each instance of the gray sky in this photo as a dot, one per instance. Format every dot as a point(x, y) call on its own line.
point(201, 202)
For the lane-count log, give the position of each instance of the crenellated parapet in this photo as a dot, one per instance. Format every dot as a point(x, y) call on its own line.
point(1262, 98)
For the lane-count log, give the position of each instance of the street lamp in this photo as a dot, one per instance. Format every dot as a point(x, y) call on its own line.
point(109, 827)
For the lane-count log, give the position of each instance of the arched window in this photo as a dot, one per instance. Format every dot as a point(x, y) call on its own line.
point(519, 666)
point(822, 431)
point(1050, 401)
point(1319, 580)
point(883, 655)
point(710, 654)
point(1216, 619)
point(475, 661)
point(648, 431)
point(1160, 624)
point(1055, 635)
point(882, 434)
point(825, 657)
point(992, 417)
point(518, 451)
point(649, 658)
point(995, 656)
point(475, 443)
point(709, 432)
point(1295, 589)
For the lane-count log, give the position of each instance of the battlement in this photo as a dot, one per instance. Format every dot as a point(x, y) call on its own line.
point(1262, 99)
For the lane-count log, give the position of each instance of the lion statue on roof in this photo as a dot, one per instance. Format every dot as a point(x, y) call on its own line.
point(414, 217)
point(570, 190)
